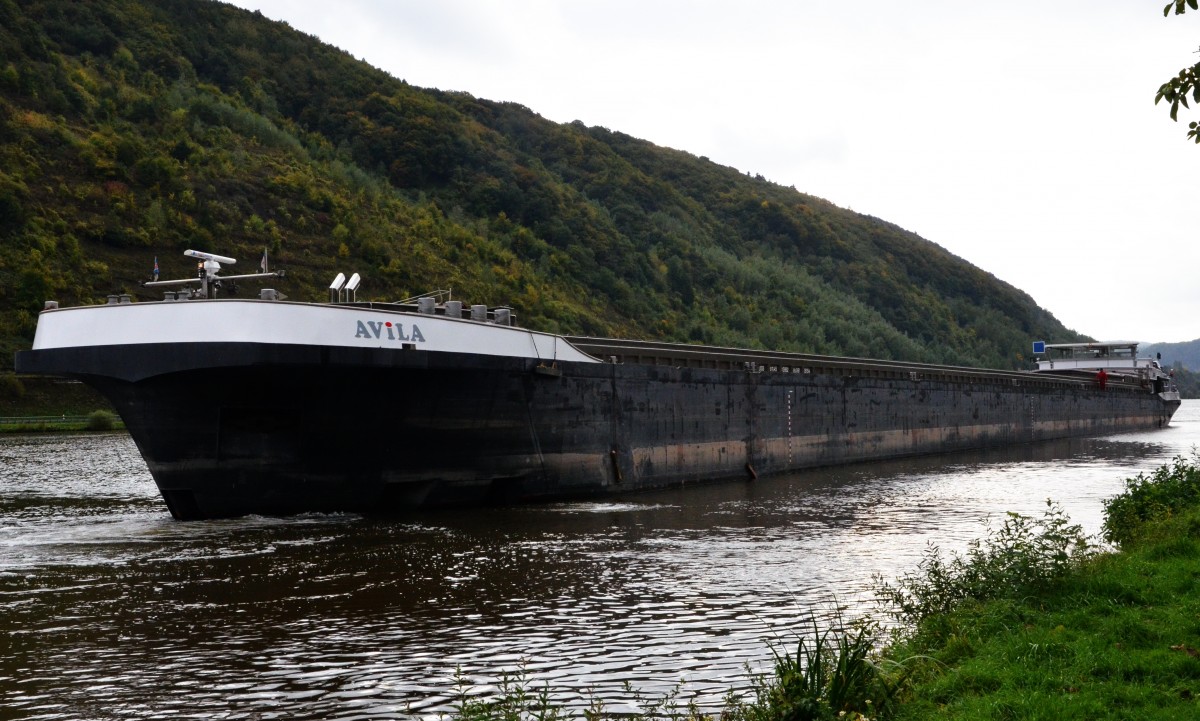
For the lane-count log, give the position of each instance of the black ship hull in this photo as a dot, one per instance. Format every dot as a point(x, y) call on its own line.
point(234, 428)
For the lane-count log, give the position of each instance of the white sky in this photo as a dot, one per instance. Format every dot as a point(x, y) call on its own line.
point(1021, 135)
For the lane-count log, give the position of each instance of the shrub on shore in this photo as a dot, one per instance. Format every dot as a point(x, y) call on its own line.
point(1022, 556)
point(101, 421)
point(1156, 497)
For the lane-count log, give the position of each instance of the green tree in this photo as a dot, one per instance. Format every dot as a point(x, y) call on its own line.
point(1176, 90)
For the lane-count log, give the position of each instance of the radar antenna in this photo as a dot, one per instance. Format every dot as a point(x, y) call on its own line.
point(207, 277)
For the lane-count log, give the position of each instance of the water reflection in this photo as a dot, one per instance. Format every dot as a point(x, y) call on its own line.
point(112, 610)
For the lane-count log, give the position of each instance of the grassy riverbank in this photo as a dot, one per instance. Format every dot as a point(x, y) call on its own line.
point(33, 404)
point(1033, 621)
point(94, 421)
point(1116, 636)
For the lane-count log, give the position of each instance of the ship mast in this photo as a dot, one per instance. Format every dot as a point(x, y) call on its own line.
point(207, 275)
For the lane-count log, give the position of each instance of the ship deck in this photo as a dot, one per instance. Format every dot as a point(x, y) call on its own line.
point(684, 355)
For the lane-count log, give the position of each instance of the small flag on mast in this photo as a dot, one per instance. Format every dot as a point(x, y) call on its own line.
point(156, 267)
point(262, 265)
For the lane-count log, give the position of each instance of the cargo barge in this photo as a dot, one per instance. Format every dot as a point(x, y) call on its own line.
point(273, 407)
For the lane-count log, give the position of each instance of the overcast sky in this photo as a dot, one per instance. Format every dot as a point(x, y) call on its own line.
point(1021, 135)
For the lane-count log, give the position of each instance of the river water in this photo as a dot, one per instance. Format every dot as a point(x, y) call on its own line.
point(111, 610)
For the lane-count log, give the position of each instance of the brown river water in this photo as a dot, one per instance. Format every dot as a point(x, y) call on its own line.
point(111, 610)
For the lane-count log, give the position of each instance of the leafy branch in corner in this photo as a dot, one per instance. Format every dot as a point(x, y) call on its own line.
point(1176, 90)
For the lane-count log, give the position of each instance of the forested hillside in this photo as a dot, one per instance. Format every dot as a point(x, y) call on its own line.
point(132, 129)
point(1184, 362)
point(1186, 354)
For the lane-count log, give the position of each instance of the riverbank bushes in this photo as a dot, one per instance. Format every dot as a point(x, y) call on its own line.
point(1116, 636)
point(1034, 621)
point(101, 421)
point(1025, 555)
point(1146, 499)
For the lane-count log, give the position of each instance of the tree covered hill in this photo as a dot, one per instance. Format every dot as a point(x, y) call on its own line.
point(1186, 353)
point(133, 129)
point(1184, 361)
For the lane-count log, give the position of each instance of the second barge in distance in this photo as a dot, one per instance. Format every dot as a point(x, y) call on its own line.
point(276, 407)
